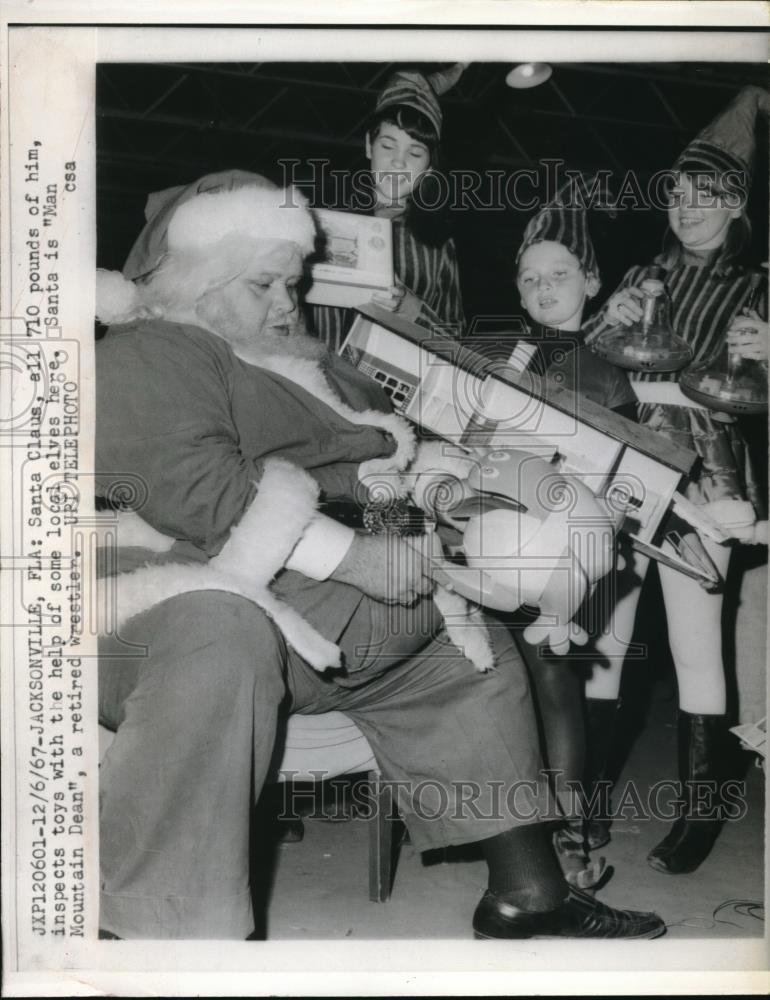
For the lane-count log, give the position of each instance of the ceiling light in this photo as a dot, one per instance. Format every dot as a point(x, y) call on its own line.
point(528, 75)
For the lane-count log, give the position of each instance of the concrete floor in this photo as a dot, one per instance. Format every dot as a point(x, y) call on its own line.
point(320, 890)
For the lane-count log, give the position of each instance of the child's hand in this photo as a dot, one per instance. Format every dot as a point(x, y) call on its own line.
point(399, 299)
point(624, 308)
point(749, 335)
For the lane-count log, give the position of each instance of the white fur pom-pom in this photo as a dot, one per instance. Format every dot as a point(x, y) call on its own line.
point(117, 298)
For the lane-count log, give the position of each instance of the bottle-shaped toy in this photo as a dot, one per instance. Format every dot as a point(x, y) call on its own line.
point(729, 382)
point(649, 345)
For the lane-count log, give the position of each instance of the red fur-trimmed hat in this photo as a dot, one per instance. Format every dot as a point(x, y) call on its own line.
point(196, 217)
point(231, 201)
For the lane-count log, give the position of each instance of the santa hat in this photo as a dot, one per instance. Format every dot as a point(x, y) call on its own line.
point(562, 221)
point(419, 91)
point(198, 216)
point(201, 213)
point(251, 212)
point(728, 144)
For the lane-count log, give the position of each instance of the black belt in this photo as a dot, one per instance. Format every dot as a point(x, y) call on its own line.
point(392, 516)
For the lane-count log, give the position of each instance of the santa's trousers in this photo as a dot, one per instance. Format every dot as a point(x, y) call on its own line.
point(196, 716)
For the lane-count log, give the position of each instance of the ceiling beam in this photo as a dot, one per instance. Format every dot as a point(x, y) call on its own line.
point(264, 108)
point(712, 75)
point(602, 120)
point(516, 142)
point(202, 125)
point(371, 86)
point(726, 80)
point(671, 113)
point(350, 141)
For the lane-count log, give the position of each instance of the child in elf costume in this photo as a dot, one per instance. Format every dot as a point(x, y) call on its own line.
point(557, 273)
point(709, 287)
point(402, 147)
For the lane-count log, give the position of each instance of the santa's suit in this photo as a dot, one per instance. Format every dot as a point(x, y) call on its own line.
point(198, 703)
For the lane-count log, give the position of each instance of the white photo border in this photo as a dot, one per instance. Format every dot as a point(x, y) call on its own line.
point(68, 41)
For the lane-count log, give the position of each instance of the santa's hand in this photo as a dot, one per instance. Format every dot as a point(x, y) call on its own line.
point(388, 568)
point(623, 307)
point(748, 336)
point(558, 637)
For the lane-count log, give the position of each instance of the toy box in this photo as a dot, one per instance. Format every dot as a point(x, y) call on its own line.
point(358, 261)
point(456, 393)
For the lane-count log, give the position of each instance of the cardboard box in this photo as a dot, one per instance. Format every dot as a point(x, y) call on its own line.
point(452, 391)
point(359, 259)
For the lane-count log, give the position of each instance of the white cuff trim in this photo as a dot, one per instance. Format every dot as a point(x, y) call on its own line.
point(322, 547)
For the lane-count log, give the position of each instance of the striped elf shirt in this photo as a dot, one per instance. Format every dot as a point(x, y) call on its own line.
point(703, 306)
point(429, 271)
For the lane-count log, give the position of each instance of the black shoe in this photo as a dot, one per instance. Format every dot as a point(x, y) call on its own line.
point(580, 915)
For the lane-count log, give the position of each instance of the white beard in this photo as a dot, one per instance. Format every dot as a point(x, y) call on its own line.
point(252, 347)
point(296, 345)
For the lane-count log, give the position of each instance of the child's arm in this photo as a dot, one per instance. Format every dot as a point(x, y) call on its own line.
point(620, 308)
point(445, 310)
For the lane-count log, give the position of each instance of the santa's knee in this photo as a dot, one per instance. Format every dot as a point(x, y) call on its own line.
point(216, 643)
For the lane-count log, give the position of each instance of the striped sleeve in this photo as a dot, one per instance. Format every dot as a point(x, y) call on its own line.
point(432, 274)
point(330, 324)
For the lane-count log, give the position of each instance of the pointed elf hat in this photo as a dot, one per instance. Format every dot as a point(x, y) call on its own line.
point(563, 220)
point(419, 91)
point(728, 144)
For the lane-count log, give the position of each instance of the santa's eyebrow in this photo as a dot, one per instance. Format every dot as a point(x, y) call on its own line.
point(272, 275)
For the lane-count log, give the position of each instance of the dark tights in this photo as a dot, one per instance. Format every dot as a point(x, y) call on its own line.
point(523, 867)
point(558, 690)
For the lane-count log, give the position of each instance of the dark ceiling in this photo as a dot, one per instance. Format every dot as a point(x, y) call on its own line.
point(159, 125)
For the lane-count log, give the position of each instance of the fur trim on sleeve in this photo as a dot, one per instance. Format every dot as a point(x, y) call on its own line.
point(260, 544)
point(466, 627)
point(379, 475)
point(256, 550)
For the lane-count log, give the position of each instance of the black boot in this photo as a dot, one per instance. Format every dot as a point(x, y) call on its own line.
point(601, 718)
point(701, 752)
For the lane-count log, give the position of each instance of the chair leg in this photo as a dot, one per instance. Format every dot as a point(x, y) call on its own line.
point(380, 839)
